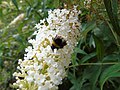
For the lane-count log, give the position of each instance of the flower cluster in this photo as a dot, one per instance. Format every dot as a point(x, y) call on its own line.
point(45, 62)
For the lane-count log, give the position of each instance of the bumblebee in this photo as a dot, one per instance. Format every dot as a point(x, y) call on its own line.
point(58, 42)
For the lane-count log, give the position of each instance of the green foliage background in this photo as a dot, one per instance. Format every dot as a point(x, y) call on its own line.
point(96, 59)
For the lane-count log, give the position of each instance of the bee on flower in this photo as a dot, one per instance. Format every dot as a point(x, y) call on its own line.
point(45, 62)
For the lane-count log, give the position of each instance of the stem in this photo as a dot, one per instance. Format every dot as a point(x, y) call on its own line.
point(114, 34)
point(84, 64)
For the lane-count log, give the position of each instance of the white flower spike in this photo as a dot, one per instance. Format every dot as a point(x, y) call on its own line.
point(45, 62)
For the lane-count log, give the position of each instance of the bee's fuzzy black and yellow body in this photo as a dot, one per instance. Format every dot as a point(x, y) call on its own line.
point(58, 42)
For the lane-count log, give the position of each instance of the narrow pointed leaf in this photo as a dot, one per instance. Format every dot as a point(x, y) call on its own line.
point(15, 3)
point(112, 71)
point(99, 47)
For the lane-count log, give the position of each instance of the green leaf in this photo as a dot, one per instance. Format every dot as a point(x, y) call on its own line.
point(99, 47)
point(74, 60)
point(78, 50)
point(96, 75)
point(89, 78)
point(112, 8)
point(29, 10)
point(87, 28)
point(106, 31)
point(77, 82)
point(15, 3)
point(112, 71)
point(111, 57)
point(44, 5)
point(1, 14)
point(91, 41)
point(88, 57)
point(118, 88)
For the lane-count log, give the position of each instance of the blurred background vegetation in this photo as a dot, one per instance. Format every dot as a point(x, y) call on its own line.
point(96, 59)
